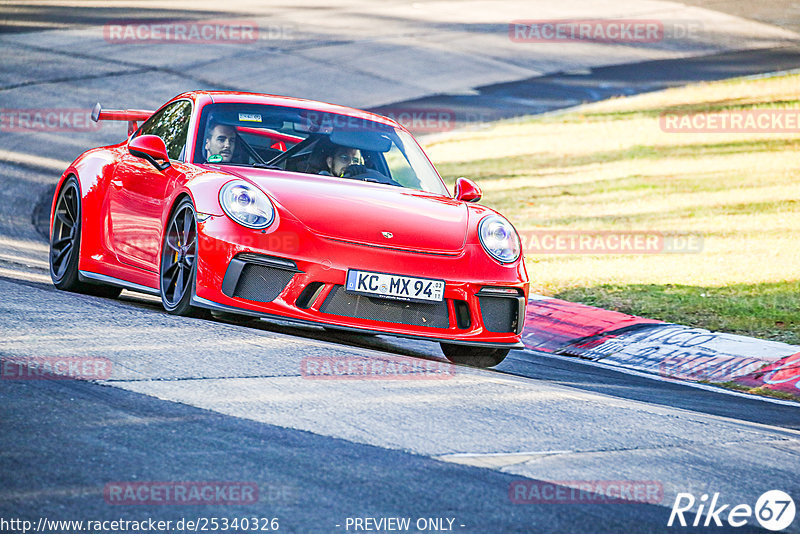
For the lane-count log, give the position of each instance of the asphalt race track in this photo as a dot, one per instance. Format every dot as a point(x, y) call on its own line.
point(192, 400)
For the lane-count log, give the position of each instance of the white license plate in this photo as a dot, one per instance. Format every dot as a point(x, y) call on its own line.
point(394, 286)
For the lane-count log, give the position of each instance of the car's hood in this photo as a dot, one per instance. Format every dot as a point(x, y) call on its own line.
point(367, 213)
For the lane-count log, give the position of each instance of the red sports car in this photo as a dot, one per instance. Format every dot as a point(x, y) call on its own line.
point(268, 206)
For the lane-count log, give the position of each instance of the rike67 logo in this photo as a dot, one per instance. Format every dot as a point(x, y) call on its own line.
point(774, 510)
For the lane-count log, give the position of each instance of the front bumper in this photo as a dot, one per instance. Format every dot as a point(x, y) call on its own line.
point(292, 274)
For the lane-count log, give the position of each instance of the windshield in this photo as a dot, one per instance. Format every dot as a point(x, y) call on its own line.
point(307, 141)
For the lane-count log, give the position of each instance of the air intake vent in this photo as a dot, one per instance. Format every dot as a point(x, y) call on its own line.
point(309, 295)
point(257, 278)
point(502, 309)
point(261, 283)
point(499, 314)
point(463, 320)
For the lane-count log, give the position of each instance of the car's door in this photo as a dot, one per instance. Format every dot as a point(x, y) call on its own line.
point(138, 190)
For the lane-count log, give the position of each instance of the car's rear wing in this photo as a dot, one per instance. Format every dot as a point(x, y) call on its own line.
point(130, 115)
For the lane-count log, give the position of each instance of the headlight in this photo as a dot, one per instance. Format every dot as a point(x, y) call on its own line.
point(246, 204)
point(499, 239)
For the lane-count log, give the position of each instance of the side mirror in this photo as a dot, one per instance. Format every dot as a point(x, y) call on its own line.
point(151, 148)
point(467, 190)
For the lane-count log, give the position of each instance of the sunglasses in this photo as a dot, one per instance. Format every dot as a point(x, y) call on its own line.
point(351, 160)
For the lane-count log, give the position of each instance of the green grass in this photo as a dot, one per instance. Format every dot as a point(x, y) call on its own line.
point(609, 166)
point(764, 392)
point(770, 311)
point(702, 107)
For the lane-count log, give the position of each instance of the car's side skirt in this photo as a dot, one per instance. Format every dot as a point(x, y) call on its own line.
point(88, 276)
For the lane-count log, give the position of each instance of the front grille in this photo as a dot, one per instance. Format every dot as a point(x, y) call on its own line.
point(339, 302)
point(261, 283)
point(499, 314)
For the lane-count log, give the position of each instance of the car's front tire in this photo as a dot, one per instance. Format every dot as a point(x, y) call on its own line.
point(65, 244)
point(178, 269)
point(473, 356)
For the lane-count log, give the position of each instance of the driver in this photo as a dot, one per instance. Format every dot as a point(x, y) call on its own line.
point(220, 143)
point(340, 158)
